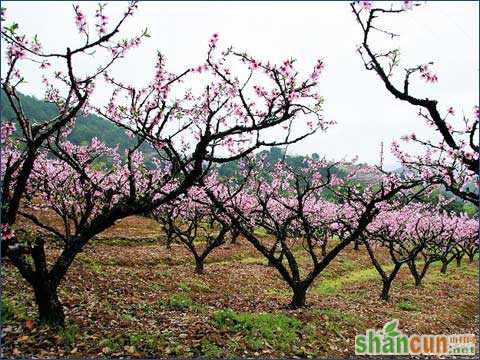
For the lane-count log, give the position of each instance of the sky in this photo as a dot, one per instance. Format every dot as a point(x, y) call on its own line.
point(446, 33)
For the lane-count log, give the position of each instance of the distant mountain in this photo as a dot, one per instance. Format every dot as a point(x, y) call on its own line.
point(86, 127)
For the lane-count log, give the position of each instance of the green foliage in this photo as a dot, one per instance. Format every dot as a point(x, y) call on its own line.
point(273, 156)
point(12, 308)
point(180, 302)
point(86, 127)
point(7, 311)
point(210, 350)
point(470, 209)
point(184, 286)
point(112, 344)
point(408, 305)
point(201, 286)
point(278, 330)
point(69, 335)
point(331, 286)
point(337, 316)
point(145, 342)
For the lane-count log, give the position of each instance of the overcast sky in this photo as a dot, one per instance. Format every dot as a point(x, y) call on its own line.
point(443, 32)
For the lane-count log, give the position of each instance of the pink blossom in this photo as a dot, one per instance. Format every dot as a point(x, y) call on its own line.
point(407, 5)
point(367, 5)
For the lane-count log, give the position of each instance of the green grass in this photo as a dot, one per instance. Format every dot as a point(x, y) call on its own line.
point(125, 241)
point(408, 305)
point(260, 232)
point(145, 341)
point(69, 335)
point(210, 349)
point(331, 286)
point(180, 302)
point(254, 261)
point(278, 292)
point(7, 311)
point(184, 286)
point(112, 344)
point(12, 308)
point(277, 330)
point(335, 320)
point(199, 285)
point(348, 265)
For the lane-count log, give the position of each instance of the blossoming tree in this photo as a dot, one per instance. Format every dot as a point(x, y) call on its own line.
point(192, 221)
point(291, 206)
point(452, 161)
point(212, 113)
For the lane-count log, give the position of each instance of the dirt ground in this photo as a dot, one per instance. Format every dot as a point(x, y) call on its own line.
point(127, 296)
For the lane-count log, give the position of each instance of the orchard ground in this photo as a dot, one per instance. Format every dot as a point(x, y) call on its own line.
point(127, 295)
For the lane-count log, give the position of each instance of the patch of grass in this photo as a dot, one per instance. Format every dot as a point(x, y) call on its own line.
point(200, 285)
point(164, 273)
point(109, 308)
point(12, 308)
point(7, 311)
point(210, 349)
point(331, 286)
point(232, 347)
point(277, 330)
point(128, 317)
point(408, 305)
point(327, 287)
point(131, 242)
point(90, 263)
point(112, 344)
point(156, 287)
point(260, 232)
point(278, 292)
point(69, 335)
point(337, 315)
point(254, 261)
point(146, 342)
point(469, 269)
point(335, 320)
point(180, 302)
point(348, 265)
point(97, 268)
point(184, 286)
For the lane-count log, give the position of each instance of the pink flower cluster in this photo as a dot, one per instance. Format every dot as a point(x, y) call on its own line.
point(427, 75)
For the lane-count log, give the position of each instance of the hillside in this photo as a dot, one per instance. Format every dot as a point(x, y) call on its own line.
point(86, 128)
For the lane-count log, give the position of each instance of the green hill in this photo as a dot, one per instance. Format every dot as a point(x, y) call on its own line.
point(86, 127)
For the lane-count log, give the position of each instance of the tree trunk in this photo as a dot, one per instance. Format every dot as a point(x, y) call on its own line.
point(298, 298)
point(443, 270)
point(385, 290)
point(459, 260)
point(50, 309)
point(235, 234)
point(421, 275)
point(471, 257)
point(418, 277)
point(356, 245)
point(199, 266)
point(324, 249)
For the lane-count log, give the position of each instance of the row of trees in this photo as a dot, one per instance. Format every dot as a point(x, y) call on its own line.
point(225, 117)
point(292, 208)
